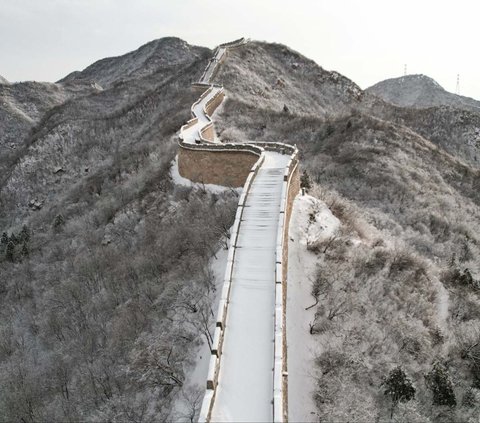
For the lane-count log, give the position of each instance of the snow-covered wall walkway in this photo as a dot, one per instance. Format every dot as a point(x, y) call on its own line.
point(247, 372)
point(245, 383)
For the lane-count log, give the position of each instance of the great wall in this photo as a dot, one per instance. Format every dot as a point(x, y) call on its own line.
point(247, 377)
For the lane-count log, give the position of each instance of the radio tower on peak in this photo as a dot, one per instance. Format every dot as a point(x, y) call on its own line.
point(457, 90)
point(405, 70)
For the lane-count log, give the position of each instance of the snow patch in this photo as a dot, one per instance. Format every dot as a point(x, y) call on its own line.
point(311, 220)
point(319, 224)
point(195, 377)
point(442, 306)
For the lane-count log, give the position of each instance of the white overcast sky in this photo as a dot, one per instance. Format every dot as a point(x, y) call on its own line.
point(366, 40)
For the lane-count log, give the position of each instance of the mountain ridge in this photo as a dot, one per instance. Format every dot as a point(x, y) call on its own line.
point(420, 91)
point(107, 292)
point(150, 57)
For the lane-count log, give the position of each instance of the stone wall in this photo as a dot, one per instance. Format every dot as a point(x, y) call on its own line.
point(227, 168)
point(207, 133)
point(212, 104)
point(293, 190)
point(290, 188)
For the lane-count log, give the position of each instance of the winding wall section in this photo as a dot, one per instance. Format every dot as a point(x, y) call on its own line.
point(247, 372)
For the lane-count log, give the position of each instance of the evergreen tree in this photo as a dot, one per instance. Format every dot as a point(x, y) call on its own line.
point(398, 387)
point(439, 382)
point(13, 239)
point(4, 240)
point(10, 251)
point(305, 181)
point(24, 235)
point(24, 250)
point(58, 222)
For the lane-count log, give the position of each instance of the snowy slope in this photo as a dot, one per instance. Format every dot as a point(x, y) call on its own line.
point(303, 348)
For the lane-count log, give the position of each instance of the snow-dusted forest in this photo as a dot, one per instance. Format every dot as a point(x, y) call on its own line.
point(110, 262)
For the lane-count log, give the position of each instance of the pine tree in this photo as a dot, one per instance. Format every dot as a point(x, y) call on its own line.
point(305, 181)
point(439, 382)
point(13, 239)
point(4, 239)
point(10, 251)
point(24, 250)
point(24, 235)
point(398, 387)
point(58, 222)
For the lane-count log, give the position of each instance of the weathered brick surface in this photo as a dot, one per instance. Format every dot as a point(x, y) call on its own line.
point(227, 168)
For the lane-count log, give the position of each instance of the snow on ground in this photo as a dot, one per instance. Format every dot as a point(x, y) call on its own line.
point(442, 306)
point(311, 221)
point(180, 180)
point(196, 376)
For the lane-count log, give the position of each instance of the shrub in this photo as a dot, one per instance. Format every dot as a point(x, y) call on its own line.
point(469, 399)
point(463, 278)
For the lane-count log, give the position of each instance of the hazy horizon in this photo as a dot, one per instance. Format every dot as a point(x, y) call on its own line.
point(366, 42)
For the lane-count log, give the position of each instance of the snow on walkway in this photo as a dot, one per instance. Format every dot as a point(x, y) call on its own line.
point(211, 66)
point(245, 387)
point(190, 135)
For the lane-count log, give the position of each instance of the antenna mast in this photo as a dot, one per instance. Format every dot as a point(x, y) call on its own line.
point(457, 91)
point(405, 70)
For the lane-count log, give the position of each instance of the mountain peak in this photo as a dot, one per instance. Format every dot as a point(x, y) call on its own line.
point(149, 58)
point(418, 79)
point(420, 91)
point(3, 81)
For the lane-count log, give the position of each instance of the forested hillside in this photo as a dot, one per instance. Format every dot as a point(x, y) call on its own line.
point(398, 285)
point(105, 287)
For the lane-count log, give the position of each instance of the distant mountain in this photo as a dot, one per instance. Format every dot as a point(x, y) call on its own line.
point(420, 91)
point(151, 57)
point(420, 103)
point(3, 80)
point(291, 84)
